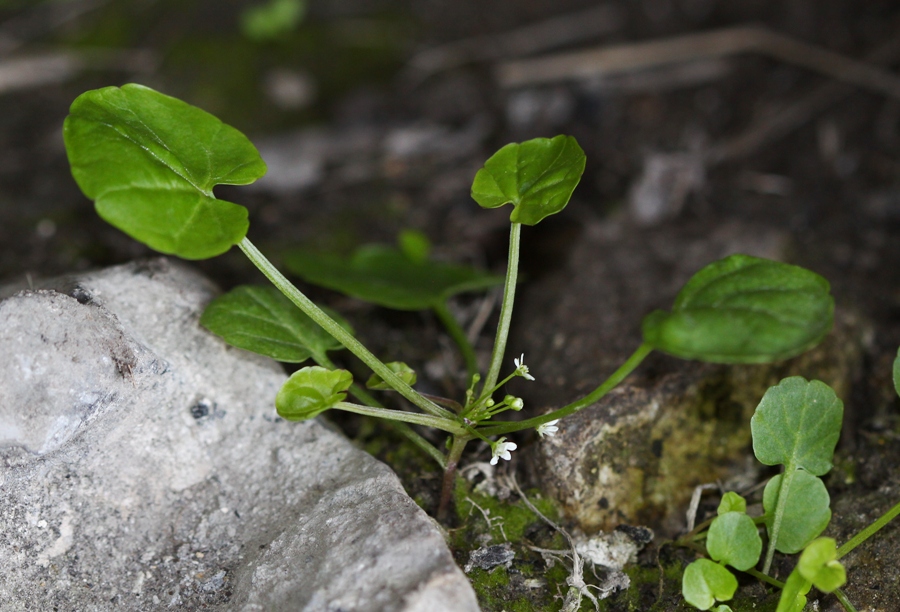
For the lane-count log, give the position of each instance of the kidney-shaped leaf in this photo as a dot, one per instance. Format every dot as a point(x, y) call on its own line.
point(797, 423)
point(733, 538)
point(386, 276)
point(537, 177)
point(263, 320)
point(310, 391)
point(150, 162)
point(819, 564)
point(705, 582)
point(806, 511)
point(744, 309)
point(403, 371)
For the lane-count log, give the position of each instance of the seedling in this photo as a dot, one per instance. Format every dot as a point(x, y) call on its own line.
point(797, 425)
point(150, 163)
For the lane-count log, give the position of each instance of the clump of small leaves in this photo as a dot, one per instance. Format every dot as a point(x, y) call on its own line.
point(150, 163)
point(796, 425)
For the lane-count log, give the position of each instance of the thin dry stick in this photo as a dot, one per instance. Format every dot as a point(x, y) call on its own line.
point(534, 38)
point(596, 63)
point(577, 587)
point(784, 120)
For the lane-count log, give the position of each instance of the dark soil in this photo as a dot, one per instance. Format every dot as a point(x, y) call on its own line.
point(832, 184)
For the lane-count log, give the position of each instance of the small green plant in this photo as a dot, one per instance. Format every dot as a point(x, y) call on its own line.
point(796, 425)
point(150, 163)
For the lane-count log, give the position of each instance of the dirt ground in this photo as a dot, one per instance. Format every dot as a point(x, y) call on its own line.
point(391, 115)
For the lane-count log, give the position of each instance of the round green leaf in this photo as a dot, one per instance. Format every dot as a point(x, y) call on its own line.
point(386, 276)
point(733, 538)
point(150, 162)
point(797, 423)
point(537, 177)
point(744, 309)
point(311, 391)
point(263, 320)
point(806, 512)
point(705, 582)
point(732, 502)
point(406, 374)
point(819, 564)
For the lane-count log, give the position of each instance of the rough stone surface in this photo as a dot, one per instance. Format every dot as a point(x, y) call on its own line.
point(143, 468)
point(636, 455)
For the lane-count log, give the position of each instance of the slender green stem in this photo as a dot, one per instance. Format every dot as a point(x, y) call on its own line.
point(778, 515)
point(869, 531)
point(448, 425)
point(457, 446)
point(459, 337)
point(765, 578)
point(509, 296)
point(842, 597)
point(618, 376)
point(337, 332)
point(402, 428)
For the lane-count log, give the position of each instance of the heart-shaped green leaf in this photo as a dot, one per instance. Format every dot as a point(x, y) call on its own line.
point(150, 162)
point(406, 374)
point(263, 320)
point(705, 582)
point(797, 423)
point(806, 511)
point(386, 276)
point(311, 391)
point(819, 564)
point(537, 177)
point(733, 538)
point(744, 309)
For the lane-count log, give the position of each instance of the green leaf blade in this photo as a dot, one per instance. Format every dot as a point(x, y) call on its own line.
point(705, 582)
point(819, 564)
point(896, 373)
point(733, 538)
point(264, 321)
point(732, 502)
point(406, 374)
point(537, 177)
point(806, 511)
point(311, 391)
point(793, 597)
point(797, 423)
point(150, 162)
point(744, 309)
point(387, 277)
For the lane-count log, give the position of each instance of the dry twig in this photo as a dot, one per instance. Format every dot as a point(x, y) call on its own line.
point(596, 63)
point(535, 38)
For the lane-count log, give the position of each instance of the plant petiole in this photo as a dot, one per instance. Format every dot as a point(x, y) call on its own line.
point(509, 296)
point(765, 578)
point(869, 531)
point(448, 425)
point(339, 333)
point(787, 476)
point(618, 376)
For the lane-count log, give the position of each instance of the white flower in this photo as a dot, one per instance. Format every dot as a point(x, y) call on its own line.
point(521, 368)
point(548, 429)
point(501, 449)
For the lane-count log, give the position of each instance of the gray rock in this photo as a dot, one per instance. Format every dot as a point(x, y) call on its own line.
point(143, 468)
